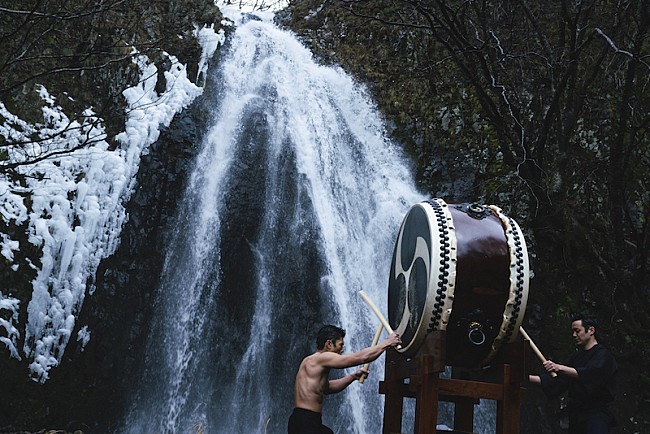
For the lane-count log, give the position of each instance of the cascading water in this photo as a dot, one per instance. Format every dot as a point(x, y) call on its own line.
point(292, 208)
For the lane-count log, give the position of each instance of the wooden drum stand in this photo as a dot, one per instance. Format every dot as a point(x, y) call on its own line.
point(419, 377)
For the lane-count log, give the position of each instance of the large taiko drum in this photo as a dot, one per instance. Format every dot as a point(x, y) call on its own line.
point(462, 268)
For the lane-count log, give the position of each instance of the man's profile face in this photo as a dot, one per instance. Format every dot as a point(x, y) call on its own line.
point(581, 335)
point(335, 346)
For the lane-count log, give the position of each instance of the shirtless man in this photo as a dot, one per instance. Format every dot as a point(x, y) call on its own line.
point(312, 379)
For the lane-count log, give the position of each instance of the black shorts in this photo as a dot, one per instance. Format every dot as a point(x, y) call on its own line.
point(304, 421)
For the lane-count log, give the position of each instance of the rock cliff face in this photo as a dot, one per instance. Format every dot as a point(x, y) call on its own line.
point(87, 390)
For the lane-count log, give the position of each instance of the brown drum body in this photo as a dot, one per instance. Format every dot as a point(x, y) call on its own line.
point(462, 268)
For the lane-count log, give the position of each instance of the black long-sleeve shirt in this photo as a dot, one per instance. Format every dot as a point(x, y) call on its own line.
point(593, 391)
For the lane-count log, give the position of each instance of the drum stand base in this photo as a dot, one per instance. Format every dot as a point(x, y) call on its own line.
point(419, 377)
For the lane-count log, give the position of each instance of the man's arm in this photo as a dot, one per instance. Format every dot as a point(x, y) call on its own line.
point(552, 387)
point(567, 371)
point(534, 379)
point(342, 361)
point(335, 386)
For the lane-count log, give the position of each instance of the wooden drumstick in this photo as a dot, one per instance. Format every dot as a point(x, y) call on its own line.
point(536, 350)
point(374, 342)
point(381, 318)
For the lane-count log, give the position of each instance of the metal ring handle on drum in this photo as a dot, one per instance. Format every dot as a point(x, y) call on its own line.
point(476, 329)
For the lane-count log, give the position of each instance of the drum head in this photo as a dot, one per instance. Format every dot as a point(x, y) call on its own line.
point(422, 275)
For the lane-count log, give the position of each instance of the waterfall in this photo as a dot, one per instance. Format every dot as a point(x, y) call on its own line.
point(293, 206)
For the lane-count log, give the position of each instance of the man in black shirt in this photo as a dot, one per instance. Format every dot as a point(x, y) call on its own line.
point(590, 378)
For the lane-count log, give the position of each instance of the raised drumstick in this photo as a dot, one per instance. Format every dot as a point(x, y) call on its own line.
point(536, 350)
point(381, 318)
point(374, 342)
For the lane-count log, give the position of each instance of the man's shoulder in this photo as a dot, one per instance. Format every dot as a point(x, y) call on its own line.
point(602, 349)
point(320, 357)
point(596, 355)
point(607, 354)
point(316, 364)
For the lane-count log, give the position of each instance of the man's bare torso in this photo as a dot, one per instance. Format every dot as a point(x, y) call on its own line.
point(311, 384)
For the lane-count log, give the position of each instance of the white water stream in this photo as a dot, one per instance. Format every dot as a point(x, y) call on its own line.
point(293, 207)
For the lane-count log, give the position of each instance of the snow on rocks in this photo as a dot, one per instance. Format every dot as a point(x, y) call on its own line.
point(75, 210)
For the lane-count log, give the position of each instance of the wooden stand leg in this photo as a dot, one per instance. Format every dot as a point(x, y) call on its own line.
point(426, 406)
point(464, 414)
point(394, 393)
point(508, 408)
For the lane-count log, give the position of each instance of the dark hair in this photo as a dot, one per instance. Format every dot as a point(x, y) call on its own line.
point(587, 319)
point(327, 333)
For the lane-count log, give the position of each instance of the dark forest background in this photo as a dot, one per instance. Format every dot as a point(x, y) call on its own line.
point(543, 109)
